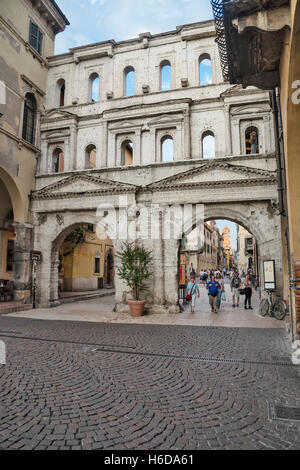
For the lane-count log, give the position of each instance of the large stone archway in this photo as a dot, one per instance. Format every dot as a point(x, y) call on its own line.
point(242, 194)
point(57, 226)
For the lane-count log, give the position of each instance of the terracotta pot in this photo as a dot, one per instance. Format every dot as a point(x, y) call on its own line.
point(136, 307)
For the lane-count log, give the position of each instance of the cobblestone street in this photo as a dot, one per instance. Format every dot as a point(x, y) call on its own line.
point(83, 385)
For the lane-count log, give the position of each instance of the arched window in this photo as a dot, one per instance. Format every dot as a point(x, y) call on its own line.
point(165, 75)
point(90, 156)
point(252, 140)
point(58, 161)
point(205, 70)
point(127, 153)
point(208, 145)
point(60, 92)
point(167, 149)
point(94, 87)
point(129, 75)
point(29, 118)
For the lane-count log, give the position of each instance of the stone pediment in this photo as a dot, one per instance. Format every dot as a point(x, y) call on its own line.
point(166, 118)
point(82, 186)
point(59, 114)
point(214, 174)
point(250, 110)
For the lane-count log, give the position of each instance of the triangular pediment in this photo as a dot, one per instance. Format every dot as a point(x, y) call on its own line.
point(214, 173)
point(82, 185)
point(59, 114)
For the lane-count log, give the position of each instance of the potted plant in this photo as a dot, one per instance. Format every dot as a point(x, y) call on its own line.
point(135, 271)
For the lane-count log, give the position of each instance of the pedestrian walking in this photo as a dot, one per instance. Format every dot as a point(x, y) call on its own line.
point(213, 287)
point(235, 289)
point(248, 291)
point(192, 292)
point(221, 291)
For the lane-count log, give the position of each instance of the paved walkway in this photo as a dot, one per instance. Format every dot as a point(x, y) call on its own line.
point(101, 310)
point(82, 385)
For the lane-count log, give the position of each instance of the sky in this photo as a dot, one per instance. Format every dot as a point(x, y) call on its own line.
point(233, 230)
point(100, 20)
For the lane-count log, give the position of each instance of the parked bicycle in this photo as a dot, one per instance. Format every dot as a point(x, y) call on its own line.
point(274, 307)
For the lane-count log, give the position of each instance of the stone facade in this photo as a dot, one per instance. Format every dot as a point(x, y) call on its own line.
point(231, 185)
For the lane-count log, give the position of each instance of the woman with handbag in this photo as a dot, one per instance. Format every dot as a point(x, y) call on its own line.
point(221, 292)
point(192, 291)
point(248, 291)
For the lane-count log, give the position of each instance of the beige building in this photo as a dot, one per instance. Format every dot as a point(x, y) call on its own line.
point(207, 257)
point(27, 34)
point(86, 260)
point(246, 251)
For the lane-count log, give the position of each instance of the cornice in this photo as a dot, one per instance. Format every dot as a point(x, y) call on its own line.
point(132, 168)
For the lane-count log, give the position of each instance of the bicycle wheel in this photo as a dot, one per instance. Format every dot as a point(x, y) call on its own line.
point(279, 310)
point(264, 308)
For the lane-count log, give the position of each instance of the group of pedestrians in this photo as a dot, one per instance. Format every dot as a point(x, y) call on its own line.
point(215, 287)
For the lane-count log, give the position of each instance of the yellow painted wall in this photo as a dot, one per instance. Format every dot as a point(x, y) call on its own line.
point(78, 267)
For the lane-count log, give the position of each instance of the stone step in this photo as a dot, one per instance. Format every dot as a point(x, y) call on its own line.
point(82, 297)
point(12, 307)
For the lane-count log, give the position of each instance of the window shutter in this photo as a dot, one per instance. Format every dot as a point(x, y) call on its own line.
point(40, 39)
point(35, 37)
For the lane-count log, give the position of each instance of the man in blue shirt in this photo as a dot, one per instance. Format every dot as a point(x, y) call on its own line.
point(213, 287)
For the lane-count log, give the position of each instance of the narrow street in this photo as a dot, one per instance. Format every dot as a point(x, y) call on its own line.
point(101, 310)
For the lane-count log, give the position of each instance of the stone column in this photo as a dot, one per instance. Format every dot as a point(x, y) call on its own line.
point(228, 135)
point(157, 236)
point(22, 264)
point(187, 134)
point(137, 153)
point(103, 160)
point(152, 145)
point(171, 268)
point(72, 163)
point(43, 166)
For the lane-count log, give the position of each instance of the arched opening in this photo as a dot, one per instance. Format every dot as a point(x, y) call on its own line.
point(129, 79)
point(29, 118)
point(205, 70)
point(7, 237)
point(165, 76)
point(127, 153)
point(208, 145)
point(18, 205)
point(90, 156)
point(167, 149)
point(58, 161)
point(252, 140)
point(82, 251)
point(94, 88)
point(224, 245)
point(60, 92)
point(109, 269)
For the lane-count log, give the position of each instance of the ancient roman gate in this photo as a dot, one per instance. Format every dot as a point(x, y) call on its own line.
point(146, 124)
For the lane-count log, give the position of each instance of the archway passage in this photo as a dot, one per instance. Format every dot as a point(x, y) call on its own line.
point(83, 262)
point(230, 251)
point(7, 236)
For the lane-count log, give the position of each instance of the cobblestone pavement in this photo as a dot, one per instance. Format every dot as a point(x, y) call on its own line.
point(81, 385)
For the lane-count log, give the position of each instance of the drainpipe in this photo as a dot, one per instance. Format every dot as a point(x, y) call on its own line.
point(277, 150)
point(287, 235)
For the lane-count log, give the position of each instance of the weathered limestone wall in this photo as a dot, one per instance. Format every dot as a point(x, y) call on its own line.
point(232, 185)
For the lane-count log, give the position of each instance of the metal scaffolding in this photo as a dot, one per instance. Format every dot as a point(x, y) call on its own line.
point(218, 11)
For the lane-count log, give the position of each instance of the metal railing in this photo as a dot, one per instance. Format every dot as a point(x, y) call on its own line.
point(218, 12)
